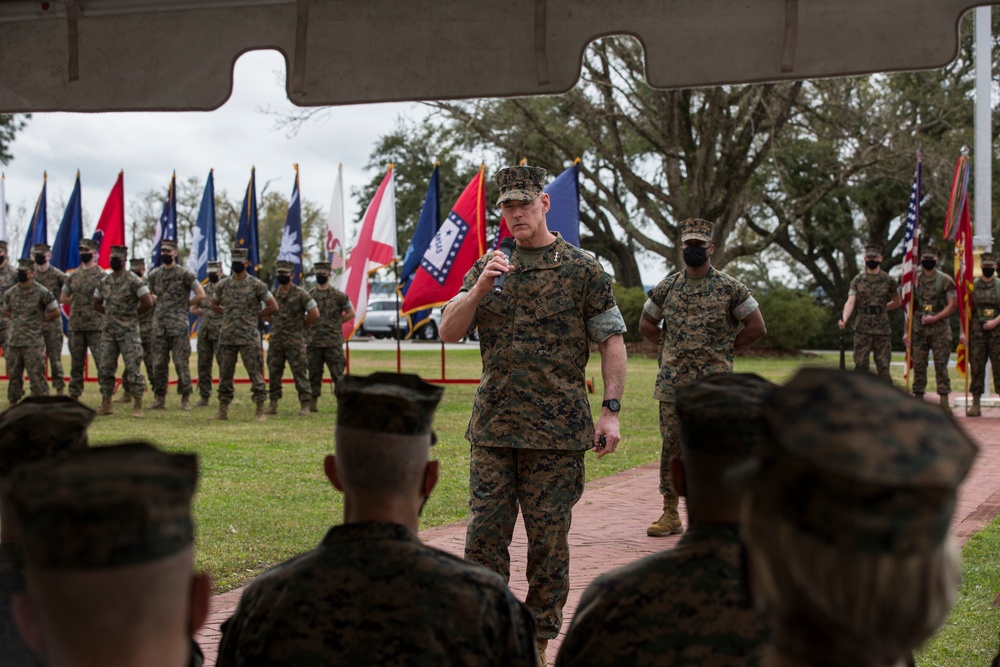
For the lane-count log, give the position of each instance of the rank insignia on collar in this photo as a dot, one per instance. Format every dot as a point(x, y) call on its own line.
point(555, 258)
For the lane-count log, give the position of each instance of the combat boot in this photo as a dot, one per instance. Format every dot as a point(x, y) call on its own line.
point(202, 402)
point(186, 402)
point(59, 391)
point(945, 403)
point(105, 408)
point(272, 408)
point(304, 408)
point(137, 407)
point(312, 405)
point(159, 403)
point(540, 646)
point(261, 415)
point(669, 522)
point(975, 410)
point(126, 396)
point(223, 413)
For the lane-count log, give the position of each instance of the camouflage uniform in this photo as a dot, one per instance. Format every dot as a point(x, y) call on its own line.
point(8, 278)
point(138, 267)
point(25, 349)
point(984, 345)
point(287, 341)
point(241, 299)
point(171, 326)
point(871, 324)
point(326, 337)
point(121, 295)
point(930, 298)
point(85, 323)
point(208, 335)
point(371, 593)
point(53, 280)
point(531, 422)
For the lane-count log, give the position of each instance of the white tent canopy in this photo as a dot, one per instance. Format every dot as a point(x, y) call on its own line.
point(113, 55)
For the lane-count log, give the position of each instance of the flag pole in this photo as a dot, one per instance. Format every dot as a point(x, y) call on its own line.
point(399, 352)
point(914, 283)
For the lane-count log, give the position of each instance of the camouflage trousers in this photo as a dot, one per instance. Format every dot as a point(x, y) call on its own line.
point(4, 325)
point(252, 361)
point(147, 359)
point(924, 341)
point(546, 483)
point(294, 352)
point(670, 431)
point(880, 345)
point(983, 346)
point(53, 350)
point(180, 348)
point(208, 349)
point(79, 343)
point(331, 357)
point(24, 358)
point(129, 346)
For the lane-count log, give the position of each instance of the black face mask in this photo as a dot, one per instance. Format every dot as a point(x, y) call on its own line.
point(117, 263)
point(138, 273)
point(3, 258)
point(988, 271)
point(322, 280)
point(284, 280)
point(928, 264)
point(695, 256)
point(40, 259)
point(213, 277)
point(22, 276)
point(167, 259)
point(86, 257)
point(239, 267)
point(872, 263)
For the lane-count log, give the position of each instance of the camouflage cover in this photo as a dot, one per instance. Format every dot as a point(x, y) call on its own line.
point(521, 183)
point(398, 403)
point(696, 229)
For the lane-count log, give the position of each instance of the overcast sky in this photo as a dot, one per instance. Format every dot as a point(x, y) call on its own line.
point(231, 139)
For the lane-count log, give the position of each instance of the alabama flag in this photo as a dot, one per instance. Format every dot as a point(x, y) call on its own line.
point(459, 242)
point(376, 248)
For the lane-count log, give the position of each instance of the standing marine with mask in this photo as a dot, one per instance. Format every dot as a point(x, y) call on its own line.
point(53, 280)
point(935, 299)
point(208, 334)
point(137, 265)
point(874, 293)
point(985, 343)
point(701, 310)
point(8, 278)
point(85, 323)
point(296, 312)
point(29, 307)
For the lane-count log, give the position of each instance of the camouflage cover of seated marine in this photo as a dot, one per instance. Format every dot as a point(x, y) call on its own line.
point(535, 342)
point(984, 345)
point(686, 607)
point(700, 320)
point(242, 301)
point(287, 342)
point(930, 298)
point(872, 292)
point(372, 594)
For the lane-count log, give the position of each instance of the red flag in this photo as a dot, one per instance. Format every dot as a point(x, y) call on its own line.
point(963, 284)
point(111, 227)
point(376, 248)
point(459, 242)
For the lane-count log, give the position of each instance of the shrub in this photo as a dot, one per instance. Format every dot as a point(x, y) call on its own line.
point(630, 301)
point(792, 318)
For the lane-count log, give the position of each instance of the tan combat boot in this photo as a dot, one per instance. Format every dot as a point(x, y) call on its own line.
point(186, 402)
point(312, 405)
point(105, 408)
point(202, 402)
point(272, 408)
point(304, 408)
point(159, 403)
point(669, 522)
point(126, 396)
point(945, 403)
point(59, 391)
point(223, 413)
point(975, 410)
point(261, 415)
point(137, 407)
point(540, 646)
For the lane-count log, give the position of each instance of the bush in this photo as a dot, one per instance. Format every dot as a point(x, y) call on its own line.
point(630, 302)
point(792, 318)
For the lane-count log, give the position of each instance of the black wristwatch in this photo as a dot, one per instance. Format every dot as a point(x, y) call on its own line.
point(612, 404)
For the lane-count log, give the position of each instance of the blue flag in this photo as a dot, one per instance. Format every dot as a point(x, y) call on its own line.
point(167, 228)
point(564, 216)
point(203, 247)
point(246, 233)
point(38, 230)
point(427, 227)
point(66, 247)
point(291, 235)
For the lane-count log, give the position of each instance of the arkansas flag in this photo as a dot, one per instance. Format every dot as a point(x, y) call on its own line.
point(111, 226)
point(376, 248)
point(459, 242)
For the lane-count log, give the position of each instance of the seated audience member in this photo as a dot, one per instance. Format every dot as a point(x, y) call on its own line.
point(690, 605)
point(846, 520)
point(107, 542)
point(371, 593)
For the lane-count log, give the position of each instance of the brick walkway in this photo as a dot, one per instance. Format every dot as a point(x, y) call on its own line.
point(609, 526)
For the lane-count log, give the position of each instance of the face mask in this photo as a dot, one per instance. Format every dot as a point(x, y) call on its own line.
point(213, 277)
point(928, 264)
point(872, 263)
point(988, 271)
point(695, 256)
point(322, 280)
point(22, 276)
point(40, 259)
point(167, 259)
point(3, 258)
point(117, 263)
point(86, 257)
point(284, 280)
point(238, 267)
point(138, 273)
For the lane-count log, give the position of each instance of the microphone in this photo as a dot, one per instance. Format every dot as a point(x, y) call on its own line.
point(507, 248)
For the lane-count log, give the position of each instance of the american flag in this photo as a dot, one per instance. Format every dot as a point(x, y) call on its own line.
point(910, 251)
